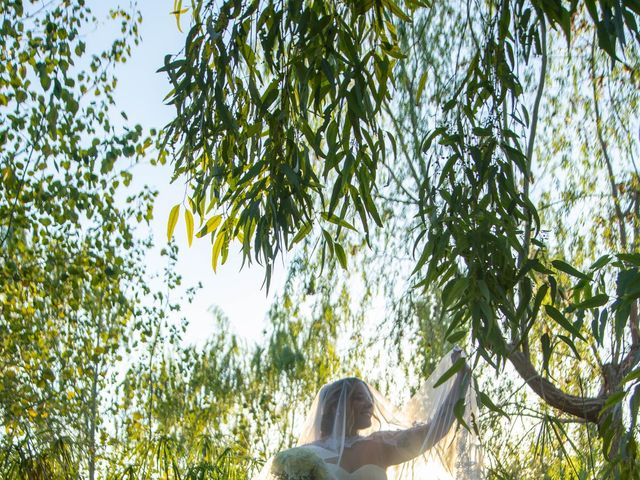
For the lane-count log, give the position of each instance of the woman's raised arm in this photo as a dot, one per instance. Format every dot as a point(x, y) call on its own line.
point(404, 445)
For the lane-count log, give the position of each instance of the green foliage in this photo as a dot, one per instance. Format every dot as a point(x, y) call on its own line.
point(342, 115)
point(219, 410)
point(94, 381)
point(70, 260)
point(461, 188)
point(274, 100)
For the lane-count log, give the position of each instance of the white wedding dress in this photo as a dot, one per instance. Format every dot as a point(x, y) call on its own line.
point(423, 437)
point(366, 472)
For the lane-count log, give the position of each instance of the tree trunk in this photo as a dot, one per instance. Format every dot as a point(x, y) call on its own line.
point(93, 409)
point(610, 426)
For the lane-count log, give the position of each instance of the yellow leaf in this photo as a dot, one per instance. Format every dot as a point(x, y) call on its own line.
point(32, 413)
point(173, 219)
point(210, 226)
point(217, 247)
point(177, 11)
point(188, 216)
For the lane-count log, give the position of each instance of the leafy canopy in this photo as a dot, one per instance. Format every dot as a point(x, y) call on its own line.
point(280, 126)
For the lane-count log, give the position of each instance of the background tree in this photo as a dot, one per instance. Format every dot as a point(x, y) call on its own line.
point(70, 260)
point(219, 410)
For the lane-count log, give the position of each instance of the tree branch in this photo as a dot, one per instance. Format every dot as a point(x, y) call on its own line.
point(605, 154)
point(582, 407)
point(524, 255)
point(632, 358)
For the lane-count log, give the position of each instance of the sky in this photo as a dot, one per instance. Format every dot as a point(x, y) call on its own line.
point(238, 292)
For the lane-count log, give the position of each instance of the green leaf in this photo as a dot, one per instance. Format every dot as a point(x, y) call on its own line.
point(458, 410)
point(455, 337)
point(426, 143)
point(328, 71)
point(622, 312)
point(178, 11)
point(566, 268)
point(328, 240)
point(449, 105)
point(562, 321)
point(173, 219)
point(633, 258)
point(486, 401)
point(446, 170)
point(453, 290)
point(303, 232)
point(540, 295)
point(613, 400)
point(631, 376)
point(515, 155)
point(628, 284)
point(601, 262)
point(545, 343)
point(395, 9)
point(539, 267)
point(270, 94)
point(456, 367)
point(421, 85)
point(45, 80)
point(330, 217)
point(593, 302)
point(342, 257)
point(571, 345)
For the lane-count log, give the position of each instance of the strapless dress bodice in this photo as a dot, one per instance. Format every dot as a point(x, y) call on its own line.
point(366, 472)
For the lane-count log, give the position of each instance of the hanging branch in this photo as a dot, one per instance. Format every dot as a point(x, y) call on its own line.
point(524, 255)
point(632, 357)
point(605, 154)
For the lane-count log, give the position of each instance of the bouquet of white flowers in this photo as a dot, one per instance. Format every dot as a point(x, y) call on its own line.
point(299, 464)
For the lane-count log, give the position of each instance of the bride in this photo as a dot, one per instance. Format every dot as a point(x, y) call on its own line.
point(353, 433)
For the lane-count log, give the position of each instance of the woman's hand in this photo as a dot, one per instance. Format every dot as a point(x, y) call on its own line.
point(456, 354)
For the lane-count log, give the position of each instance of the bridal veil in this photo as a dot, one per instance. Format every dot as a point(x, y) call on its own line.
point(424, 436)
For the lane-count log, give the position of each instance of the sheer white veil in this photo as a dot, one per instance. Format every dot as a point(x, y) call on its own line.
point(424, 433)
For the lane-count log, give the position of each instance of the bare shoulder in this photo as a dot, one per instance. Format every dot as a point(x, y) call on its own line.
point(379, 443)
point(370, 449)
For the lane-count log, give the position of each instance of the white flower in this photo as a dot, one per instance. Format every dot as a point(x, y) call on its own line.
point(299, 464)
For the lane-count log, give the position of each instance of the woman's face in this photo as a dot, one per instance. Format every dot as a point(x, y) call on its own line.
point(361, 406)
